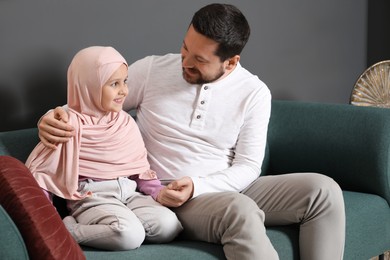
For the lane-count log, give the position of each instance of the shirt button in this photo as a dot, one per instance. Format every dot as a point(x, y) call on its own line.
point(202, 102)
point(206, 88)
point(198, 116)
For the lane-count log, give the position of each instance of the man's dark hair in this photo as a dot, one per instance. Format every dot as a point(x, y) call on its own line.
point(225, 24)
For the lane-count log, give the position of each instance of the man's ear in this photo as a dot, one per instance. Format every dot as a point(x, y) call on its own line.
point(231, 63)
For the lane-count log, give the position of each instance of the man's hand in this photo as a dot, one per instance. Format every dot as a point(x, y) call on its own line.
point(53, 128)
point(176, 193)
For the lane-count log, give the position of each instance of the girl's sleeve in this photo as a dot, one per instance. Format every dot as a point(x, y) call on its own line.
point(150, 187)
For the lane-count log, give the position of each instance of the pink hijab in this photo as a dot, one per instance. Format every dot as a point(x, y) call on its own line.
point(107, 145)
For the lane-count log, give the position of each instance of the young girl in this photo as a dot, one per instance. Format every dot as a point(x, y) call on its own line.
point(100, 169)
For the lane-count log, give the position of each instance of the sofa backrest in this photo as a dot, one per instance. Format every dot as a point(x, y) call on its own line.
point(18, 143)
point(348, 143)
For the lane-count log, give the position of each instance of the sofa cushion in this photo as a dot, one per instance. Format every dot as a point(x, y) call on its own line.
point(43, 231)
point(368, 225)
point(176, 250)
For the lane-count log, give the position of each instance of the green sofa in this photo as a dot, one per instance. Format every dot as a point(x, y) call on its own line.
point(348, 143)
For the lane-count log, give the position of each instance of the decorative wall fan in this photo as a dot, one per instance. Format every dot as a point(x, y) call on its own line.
point(373, 87)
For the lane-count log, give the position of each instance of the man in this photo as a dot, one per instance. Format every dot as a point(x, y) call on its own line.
point(204, 120)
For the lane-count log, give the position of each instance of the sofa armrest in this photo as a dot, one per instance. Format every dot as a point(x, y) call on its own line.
point(11, 242)
point(348, 143)
point(42, 229)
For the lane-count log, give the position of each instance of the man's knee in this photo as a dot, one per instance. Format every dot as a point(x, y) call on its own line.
point(324, 193)
point(319, 184)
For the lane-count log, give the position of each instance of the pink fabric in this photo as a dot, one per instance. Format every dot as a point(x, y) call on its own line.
point(107, 145)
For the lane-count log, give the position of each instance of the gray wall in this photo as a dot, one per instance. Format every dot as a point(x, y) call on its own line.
point(303, 50)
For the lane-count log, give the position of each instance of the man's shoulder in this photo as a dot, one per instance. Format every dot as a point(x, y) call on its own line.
point(243, 77)
point(163, 58)
point(158, 60)
point(169, 58)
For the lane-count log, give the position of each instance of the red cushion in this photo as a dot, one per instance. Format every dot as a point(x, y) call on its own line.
point(43, 231)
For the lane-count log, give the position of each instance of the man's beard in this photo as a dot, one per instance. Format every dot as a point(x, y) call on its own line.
point(200, 79)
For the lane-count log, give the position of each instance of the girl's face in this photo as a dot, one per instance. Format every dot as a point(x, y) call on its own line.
point(115, 90)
